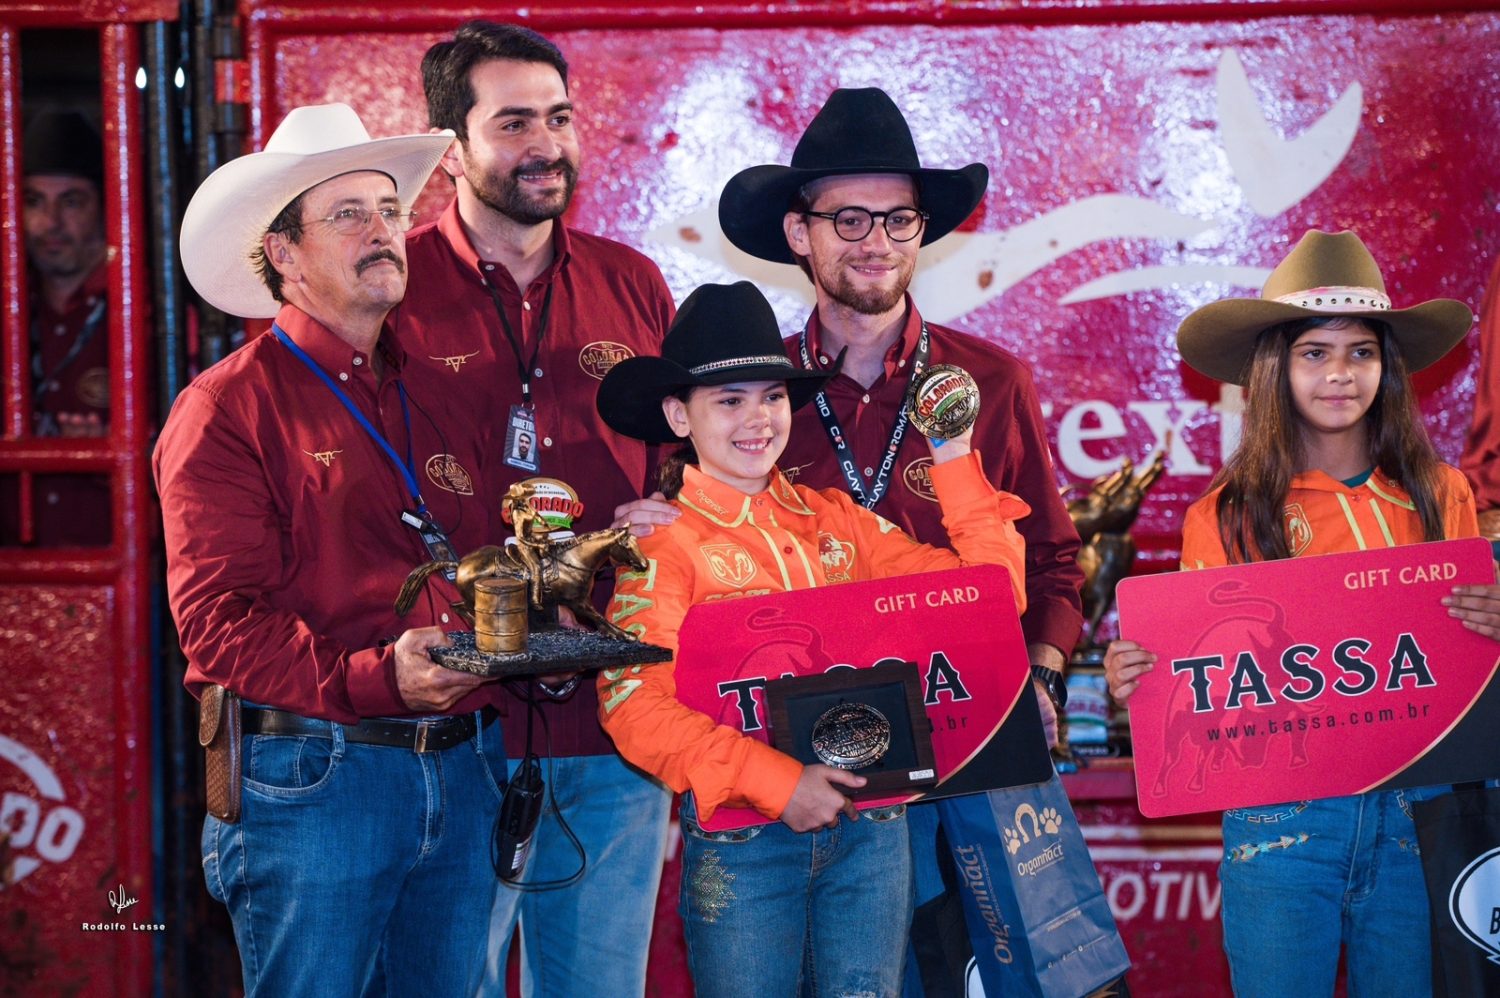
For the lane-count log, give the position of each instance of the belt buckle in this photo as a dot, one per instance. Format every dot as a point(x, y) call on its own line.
point(420, 745)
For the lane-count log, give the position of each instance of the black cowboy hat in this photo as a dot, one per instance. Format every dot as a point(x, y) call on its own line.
point(63, 144)
point(857, 131)
point(723, 334)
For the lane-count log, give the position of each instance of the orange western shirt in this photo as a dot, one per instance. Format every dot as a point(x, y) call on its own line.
point(1325, 516)
point(728, 544)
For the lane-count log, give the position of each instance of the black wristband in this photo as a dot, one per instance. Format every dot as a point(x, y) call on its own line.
point(1053, 682)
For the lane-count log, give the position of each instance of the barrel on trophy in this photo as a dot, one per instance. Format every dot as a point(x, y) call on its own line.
point(500, 608)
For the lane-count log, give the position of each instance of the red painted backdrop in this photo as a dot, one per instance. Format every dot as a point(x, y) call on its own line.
point(1146, 158)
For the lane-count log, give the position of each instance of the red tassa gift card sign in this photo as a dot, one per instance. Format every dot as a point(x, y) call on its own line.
point(1310, 677)
point(959, 627)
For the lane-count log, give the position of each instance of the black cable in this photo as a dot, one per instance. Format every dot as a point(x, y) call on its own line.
point(533, 706)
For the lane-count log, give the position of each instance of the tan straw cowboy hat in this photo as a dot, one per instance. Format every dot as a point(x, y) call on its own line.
point(1326, 275)
point(228, 215)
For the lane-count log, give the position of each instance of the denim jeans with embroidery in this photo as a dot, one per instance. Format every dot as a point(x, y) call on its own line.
point(1305, 878)
point(359, 869)
point(771, 913)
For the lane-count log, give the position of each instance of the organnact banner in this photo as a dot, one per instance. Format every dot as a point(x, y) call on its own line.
point(960, 628)
point(1310, 677)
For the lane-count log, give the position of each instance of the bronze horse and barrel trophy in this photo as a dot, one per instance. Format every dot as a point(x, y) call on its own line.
point(553, 568)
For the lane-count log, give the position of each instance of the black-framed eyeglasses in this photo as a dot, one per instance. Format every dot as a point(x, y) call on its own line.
point(853, 223)
point(351, 220)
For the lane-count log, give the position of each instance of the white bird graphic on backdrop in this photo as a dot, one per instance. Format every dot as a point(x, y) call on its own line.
point(968, 269)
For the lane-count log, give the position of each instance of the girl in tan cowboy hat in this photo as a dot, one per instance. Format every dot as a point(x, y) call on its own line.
point(815, 892)
point(1333, 458)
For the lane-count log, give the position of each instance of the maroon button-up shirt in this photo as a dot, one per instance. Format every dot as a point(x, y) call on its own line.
point(285, 548)
point(1009, 435)
point(609, 302)
point(67, 509)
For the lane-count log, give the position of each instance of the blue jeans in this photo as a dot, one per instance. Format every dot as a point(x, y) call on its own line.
point(927, 880)
point(593, 937)
point(359, 869)
point(772, 913)
point(1301, 879)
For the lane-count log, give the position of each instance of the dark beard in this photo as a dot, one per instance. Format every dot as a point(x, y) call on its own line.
point(867, 302)
point(506, 197)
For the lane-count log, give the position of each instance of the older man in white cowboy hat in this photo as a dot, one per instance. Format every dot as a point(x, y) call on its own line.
point(852, 210)
point(301, 479)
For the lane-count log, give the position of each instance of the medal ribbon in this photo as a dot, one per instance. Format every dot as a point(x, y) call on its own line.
point(406, 467)
point(866, 496)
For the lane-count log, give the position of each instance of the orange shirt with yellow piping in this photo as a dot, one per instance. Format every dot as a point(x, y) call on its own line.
point(1325, 516)
point(728, 544)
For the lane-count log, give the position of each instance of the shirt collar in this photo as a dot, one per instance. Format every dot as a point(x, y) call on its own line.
point(94, 287)
point(902, 349)
point(1379, 482)
point(330, 352)
point(728, 506)
point(451, 226)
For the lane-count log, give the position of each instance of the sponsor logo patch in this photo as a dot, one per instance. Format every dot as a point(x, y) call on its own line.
point(729, 563)
point(598, 357)
point(444, 471)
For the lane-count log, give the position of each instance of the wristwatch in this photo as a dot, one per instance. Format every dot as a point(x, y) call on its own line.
point(1053, 682)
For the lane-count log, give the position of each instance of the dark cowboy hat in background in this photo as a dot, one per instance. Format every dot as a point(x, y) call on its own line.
point(723, 334)
point(857, 131)
point(1326, 275)
point(62, 144)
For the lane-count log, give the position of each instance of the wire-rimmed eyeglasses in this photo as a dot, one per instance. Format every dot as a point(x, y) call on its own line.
point(352, 220)
point(854, 223)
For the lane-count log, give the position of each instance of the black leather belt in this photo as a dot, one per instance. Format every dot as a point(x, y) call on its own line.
point(431, 735)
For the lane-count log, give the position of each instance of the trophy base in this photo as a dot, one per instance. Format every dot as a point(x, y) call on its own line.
point(549, 650)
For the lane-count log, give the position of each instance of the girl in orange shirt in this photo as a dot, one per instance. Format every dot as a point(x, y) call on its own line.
point(1333, 458)
point(818, 900)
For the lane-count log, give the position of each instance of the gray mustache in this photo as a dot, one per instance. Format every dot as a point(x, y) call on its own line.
point(376, 257)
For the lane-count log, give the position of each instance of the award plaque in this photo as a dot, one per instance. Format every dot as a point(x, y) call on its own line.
point(868, 721)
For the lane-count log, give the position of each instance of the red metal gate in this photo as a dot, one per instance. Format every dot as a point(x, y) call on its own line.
point(75, 774)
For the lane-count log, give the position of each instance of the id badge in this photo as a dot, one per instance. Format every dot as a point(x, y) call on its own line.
point(439, 548)
point(522, 448)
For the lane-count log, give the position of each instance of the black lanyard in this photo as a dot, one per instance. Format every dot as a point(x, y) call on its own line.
point(407, 467)
point(524, 368)
point(866, 497)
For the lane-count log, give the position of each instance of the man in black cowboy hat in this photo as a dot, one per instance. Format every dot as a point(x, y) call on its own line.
point(852, 211)
point(62, 219)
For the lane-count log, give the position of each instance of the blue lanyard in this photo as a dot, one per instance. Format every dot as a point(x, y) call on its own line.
point(406, 467)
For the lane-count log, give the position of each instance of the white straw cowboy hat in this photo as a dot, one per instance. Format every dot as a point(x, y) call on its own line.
point(230, 212)
point(1326, 275)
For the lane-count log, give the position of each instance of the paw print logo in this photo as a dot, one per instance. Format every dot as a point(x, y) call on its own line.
point(1051, 820)
point(1012, 841)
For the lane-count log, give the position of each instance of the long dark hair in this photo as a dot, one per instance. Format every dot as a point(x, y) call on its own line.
point(1258, 476)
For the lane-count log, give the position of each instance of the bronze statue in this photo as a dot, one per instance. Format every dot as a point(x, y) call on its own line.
point(1103, 518)
point(559, 572)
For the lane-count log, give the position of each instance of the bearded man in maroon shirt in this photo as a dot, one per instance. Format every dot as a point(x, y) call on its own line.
point(301, 479)
point(521, 316)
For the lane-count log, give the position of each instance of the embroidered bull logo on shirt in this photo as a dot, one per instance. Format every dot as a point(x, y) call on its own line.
point(729, 563)
point(1299, 532)
point(324, 457)
point(446, 473)
point(456, 361)
point(837, 557)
